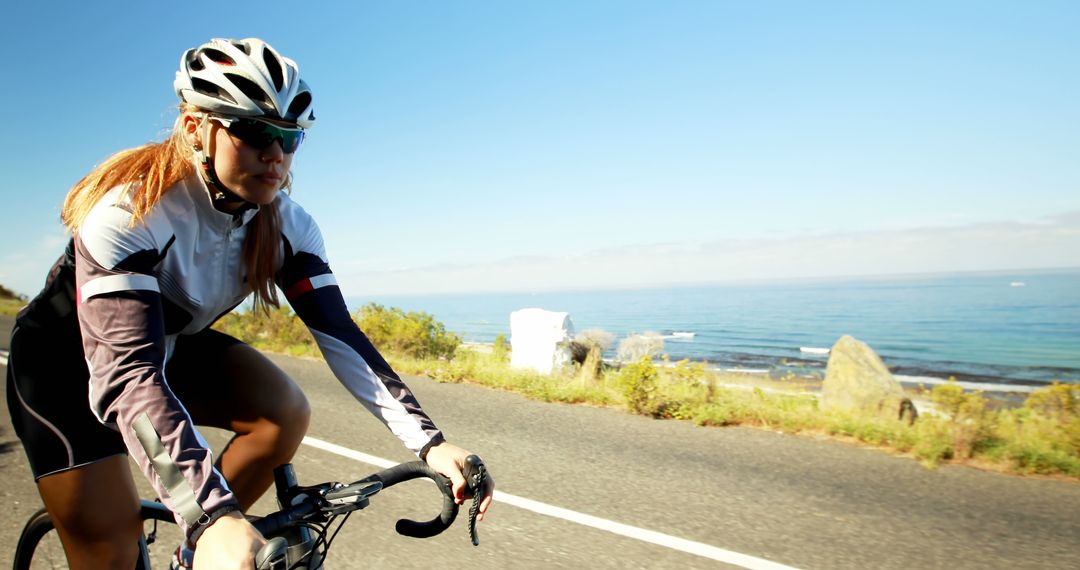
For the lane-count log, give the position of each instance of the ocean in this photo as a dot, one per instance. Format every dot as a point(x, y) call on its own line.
point(994, 331)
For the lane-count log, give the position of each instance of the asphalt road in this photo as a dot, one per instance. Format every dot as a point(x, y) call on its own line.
point(801, 502)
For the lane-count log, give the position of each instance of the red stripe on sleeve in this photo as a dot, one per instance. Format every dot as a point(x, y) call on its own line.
point(298, 288)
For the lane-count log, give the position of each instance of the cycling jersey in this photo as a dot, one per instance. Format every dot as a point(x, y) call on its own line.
point(175, 273)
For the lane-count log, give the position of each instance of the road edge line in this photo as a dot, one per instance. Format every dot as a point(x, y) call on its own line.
point(645, 535)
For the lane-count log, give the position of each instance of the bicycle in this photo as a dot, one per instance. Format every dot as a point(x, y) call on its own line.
point(298, 533)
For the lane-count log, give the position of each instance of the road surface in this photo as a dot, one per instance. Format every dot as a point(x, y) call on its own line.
point(688, 497)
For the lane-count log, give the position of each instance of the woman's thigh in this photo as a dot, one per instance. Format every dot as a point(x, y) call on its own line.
point(95, 508)
point(227, 384)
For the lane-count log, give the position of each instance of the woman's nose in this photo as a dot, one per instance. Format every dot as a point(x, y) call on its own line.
point(273, 153)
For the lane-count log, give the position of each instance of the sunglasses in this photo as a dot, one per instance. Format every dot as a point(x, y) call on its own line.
point(260, 134)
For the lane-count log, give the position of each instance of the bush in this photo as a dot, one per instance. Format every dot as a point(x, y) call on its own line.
point(637, 381)
point(413, 334)
point(1057, 401)
point(971, 425)
point(501, 349)
point(277, 329)
point(934, 444)
point(8, 294)
point(10, 302)
point(638, 346)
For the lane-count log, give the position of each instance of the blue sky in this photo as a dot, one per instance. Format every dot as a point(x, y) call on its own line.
point(520, 146)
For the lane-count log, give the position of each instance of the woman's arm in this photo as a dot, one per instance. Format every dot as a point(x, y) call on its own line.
point(121, 319)
point(312, 291)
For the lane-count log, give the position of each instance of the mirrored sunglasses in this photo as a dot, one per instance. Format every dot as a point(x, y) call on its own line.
point(260, 134)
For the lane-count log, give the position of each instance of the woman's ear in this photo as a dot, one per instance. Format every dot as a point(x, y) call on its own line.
point(191, 124)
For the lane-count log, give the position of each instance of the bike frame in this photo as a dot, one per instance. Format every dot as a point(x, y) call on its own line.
point(292, 543)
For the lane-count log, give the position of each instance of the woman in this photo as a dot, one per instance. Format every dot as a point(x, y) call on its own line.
point(167, 238)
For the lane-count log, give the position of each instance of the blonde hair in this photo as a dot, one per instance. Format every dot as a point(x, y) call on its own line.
point(151, 170)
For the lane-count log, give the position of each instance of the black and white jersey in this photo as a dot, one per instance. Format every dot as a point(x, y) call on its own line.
point(176, 272)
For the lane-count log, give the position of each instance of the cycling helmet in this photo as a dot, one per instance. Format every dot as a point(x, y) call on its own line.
point(244, 78)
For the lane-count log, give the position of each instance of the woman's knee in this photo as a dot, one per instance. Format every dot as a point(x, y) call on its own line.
point(287, 408)
point(301, 409)
point(293, 417)
point(286, 426)
point(301, 414)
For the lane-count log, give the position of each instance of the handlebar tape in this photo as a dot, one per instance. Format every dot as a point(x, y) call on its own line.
point(413, 470)
point(272, 556)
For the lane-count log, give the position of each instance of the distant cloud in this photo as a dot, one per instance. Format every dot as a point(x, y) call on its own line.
point(1048, 242)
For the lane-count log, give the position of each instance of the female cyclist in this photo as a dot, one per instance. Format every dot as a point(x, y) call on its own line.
point(168, 237)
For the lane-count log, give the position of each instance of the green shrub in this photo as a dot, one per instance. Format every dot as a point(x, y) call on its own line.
point(278, 330)
point(10, 302)
point(1057, 401)
point(935, 442)
point(414, 334)
point(8, 294)
point(11, 307)
point(501, 349)
point(1041, 437)
point(972, 427)
point(637, 381)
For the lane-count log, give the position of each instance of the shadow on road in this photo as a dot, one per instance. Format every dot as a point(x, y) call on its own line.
point(7, 446)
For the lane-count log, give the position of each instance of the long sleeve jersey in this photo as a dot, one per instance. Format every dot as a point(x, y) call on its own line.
point(176, 272)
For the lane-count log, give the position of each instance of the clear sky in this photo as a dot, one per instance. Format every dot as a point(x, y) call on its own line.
point(511, 145)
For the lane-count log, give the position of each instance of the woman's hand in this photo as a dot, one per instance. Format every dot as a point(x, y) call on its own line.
point(449, 460)
point(230, 542)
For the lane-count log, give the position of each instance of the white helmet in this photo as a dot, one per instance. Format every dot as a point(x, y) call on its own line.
point(244, 78)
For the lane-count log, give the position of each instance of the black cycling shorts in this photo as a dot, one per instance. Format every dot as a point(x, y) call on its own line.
point(48, 393)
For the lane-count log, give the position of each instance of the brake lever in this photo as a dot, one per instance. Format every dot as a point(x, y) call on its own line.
point(474, 473)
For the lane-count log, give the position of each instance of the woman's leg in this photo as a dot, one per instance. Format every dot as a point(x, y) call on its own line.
point(82, 470)
point(229, 385)
point(95, 509)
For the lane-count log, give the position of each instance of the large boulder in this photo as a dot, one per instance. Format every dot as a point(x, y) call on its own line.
point(540, 340)
point(857, 380)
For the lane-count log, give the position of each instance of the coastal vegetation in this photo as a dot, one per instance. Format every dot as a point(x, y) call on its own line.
point(10, 302)
point(1041, 436)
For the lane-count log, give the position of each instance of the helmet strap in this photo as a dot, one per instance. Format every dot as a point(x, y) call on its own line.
point(219, 192)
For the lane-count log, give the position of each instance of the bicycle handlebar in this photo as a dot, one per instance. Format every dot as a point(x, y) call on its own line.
point(305, 503)
point(307, 506)
point(273, 555)
point(413, 470)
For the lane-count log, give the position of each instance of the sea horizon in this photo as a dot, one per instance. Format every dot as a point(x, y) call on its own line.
point(1011, 329)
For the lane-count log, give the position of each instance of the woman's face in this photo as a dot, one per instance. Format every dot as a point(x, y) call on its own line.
point(254, 174)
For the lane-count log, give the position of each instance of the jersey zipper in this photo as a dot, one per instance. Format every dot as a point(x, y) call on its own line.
point(234, 223)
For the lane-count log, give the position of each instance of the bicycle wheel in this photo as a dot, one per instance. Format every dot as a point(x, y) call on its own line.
point(39, 546)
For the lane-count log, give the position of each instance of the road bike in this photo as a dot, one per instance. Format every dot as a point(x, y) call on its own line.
point(299, 534)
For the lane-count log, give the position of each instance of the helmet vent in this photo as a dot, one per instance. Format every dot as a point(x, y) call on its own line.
point(207, 88)
point(242, 47)
point(253, 91)
point(219, 57)
point(193, 61)
point(274, 67)
point(299, 103)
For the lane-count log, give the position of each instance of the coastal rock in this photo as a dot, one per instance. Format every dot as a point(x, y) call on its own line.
point(857, 380)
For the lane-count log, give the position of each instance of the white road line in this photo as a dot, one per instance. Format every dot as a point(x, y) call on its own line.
point(3, 357)
point(665, 540)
